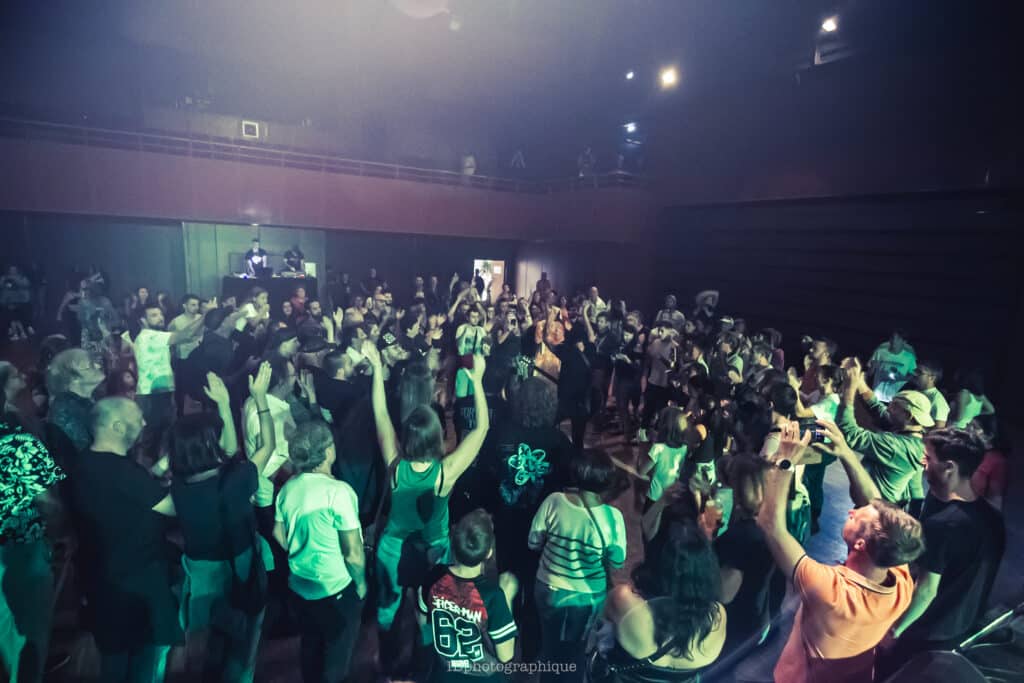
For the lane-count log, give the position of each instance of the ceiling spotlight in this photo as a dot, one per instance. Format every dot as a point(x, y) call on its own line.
point(630, 75)
point(630, 127)
point(454, 23)
point(830, 25)
point(668, 77)
point(255, 225)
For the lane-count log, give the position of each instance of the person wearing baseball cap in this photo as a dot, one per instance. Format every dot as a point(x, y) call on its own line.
point(894, 458)
point(391, 353)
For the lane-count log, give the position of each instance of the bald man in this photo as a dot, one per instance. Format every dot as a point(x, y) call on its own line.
point(121, 510)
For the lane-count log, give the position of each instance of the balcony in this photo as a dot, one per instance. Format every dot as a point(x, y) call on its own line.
point(59, 168)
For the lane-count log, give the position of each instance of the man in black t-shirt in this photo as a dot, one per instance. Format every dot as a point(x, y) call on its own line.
point(119, 512)
point(964, 542)
point(464, 614)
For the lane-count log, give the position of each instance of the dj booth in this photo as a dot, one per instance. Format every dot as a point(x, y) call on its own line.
point(278, 288)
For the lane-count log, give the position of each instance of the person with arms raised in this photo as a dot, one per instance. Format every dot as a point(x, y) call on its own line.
point(845, 610)
point(894, 458)
point(155, 389)
point(421, 478)
point(212, 492)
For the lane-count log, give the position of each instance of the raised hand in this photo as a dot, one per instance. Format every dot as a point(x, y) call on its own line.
point(792, 446)
point(838, 447)
point(215, 389)
point(855, 380)
point(259, 385)
point(306, 385)
point(793, 378)
point(210, 305)
point(479, 365)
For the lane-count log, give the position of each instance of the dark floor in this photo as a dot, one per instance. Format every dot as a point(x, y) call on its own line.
point(279, 655)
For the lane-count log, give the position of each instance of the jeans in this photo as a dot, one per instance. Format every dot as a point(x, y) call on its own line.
point(329, 628)
point(655, 398)
point(26, 608)
point(627, 391)
point(148, 664)
point(389, 554)
point(566, 620)
point(227, 657)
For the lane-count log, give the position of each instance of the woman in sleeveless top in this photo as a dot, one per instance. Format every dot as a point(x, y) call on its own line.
point(420, 478)
point(667, 625)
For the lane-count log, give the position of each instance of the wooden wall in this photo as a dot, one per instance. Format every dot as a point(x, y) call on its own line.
point(943, 266)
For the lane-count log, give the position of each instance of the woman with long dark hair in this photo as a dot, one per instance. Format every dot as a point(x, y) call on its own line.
point(212, 493)
point(668, 623)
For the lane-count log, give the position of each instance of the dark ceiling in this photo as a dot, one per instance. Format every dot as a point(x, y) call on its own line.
point(551, 71)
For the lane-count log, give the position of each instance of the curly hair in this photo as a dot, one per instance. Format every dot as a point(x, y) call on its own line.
point(535, 404)
point(686, 571)
point(308, 446)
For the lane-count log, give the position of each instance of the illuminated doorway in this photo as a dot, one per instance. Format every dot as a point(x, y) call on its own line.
point(492, 273)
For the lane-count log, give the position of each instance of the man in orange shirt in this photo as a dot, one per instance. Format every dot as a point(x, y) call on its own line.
point(845, 610)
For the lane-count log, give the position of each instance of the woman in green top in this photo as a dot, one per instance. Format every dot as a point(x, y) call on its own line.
point(421, 478)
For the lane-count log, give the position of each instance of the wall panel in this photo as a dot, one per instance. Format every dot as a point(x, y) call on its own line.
point(943, 266)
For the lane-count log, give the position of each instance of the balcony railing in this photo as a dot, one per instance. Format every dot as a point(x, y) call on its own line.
point(229, 150)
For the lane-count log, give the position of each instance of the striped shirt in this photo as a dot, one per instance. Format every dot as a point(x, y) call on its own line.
point(571, 545)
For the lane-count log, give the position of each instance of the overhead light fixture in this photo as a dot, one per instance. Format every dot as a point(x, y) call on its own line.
point(255, 225)
point(668, 77)
point(630, 75)
point(830, 25)
point(630, 127)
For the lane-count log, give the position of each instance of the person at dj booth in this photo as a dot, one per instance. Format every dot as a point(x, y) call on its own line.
point(256, 262)
point(294, 260)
